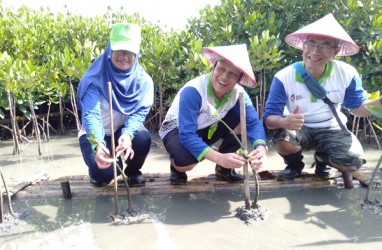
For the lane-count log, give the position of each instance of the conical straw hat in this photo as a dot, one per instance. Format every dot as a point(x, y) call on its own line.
point(238, 56)
point(326, 26)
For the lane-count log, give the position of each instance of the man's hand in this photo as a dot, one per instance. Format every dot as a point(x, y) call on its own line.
point(231, 160)
point(295, 120)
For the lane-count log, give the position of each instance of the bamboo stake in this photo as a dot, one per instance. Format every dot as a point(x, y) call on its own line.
point(243, 125)
point(245, 145)
point(113, 147)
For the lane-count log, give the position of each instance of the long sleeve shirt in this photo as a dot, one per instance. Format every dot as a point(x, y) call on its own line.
point(341, 82)
point(194, 107)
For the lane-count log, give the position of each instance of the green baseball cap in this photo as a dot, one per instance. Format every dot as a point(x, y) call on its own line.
point(125, 36)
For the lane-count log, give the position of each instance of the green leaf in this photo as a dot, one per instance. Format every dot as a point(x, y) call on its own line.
point(373, 96)
point(374, 110)
point(92, 138)
point(212, 130)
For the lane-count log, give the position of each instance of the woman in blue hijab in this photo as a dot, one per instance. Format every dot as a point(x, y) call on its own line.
point(132, 98)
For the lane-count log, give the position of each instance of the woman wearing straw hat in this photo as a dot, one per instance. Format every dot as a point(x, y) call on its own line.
point(190, 129)
point(310, 123)
point(132, 98)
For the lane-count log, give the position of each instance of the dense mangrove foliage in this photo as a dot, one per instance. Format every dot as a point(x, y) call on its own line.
point(43, 55)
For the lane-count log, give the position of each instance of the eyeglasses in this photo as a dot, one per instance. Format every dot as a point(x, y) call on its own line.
point(321, 47)
point(123, 53)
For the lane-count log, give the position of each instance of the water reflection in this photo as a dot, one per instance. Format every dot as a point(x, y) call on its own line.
point(302, 218)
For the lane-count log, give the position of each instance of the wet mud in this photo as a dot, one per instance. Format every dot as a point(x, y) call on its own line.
point(374, 206)
point(134, 215)
point(252, 215)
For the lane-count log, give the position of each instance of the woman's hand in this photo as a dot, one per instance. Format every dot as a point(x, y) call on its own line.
point(102, 157)
point(125, 145)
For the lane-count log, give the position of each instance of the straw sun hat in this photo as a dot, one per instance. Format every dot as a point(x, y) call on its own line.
point(326, 26)
point(235, 54)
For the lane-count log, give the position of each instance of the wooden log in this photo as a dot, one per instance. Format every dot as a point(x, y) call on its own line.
point(364, 176)
point(159, 183)
point(14, 188)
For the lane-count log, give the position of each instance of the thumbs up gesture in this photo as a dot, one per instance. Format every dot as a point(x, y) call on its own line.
point(295, 120)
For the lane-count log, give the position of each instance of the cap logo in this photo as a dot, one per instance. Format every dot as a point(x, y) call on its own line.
point(124, 33)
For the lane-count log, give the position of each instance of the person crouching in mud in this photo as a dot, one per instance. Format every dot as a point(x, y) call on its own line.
point(190, 129)
point(310, 124)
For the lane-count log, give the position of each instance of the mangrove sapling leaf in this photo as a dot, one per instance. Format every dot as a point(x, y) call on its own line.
point(374, 110)
point(93, 140)
point(242, 152)
point(217, 117)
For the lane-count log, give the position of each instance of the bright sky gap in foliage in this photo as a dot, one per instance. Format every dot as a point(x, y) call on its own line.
point(169, 13)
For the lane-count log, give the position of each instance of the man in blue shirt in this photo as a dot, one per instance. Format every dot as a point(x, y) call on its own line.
point(191, 128)
point(302, 122)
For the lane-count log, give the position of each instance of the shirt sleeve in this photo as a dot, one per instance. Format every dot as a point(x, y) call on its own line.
point(276, 100)
point(189, 106)
point(135, 121)
point(354, 95)
point(91, 113)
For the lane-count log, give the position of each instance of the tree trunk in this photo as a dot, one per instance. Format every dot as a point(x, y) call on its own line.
point(61, 126)
point(35, 125)
point(15, 129)
point(47, 122)
point(161, 105)
point(74, 105)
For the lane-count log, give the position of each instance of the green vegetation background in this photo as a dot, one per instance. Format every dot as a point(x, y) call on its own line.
point(43, 54)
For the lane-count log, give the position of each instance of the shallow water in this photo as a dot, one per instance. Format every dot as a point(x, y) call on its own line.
point(329, 219)
point(306, 219)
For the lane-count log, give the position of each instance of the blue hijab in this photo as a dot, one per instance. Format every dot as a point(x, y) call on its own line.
point(131, 89)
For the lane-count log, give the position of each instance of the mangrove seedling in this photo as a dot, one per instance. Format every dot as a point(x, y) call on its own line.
point(93, 140)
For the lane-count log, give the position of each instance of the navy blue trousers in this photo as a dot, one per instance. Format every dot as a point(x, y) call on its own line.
point(140, 144)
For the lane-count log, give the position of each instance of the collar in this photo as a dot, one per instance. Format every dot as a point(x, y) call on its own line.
point(210, 92)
